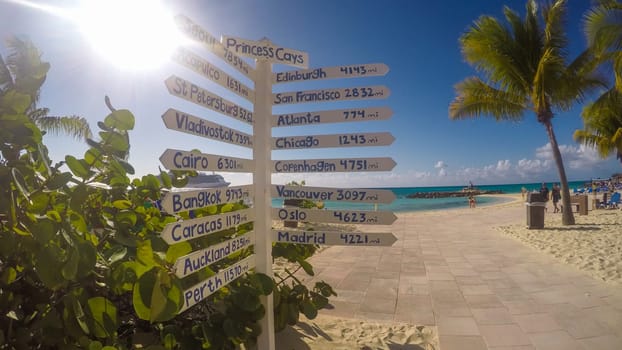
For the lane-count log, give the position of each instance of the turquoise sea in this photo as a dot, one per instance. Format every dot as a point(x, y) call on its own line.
point(404, 204)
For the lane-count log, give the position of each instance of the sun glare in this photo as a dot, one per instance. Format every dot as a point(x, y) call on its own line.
point(133, 34)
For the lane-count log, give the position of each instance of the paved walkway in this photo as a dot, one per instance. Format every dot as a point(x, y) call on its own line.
point(483, 290)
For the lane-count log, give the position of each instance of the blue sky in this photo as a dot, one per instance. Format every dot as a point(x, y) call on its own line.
point(417, 40)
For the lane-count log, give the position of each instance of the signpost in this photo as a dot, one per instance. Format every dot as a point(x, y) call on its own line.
point(186, 230)
point(205, 288)
point(380, 239)
point(335, 116)
point(194, 62)
point(331, 95)
point(358, 217)
point(333, 165)
point(200, 259)
point(351, 71)
point(190, 124)
point(188, 91)
point(333, 194)
point(261, 164)
point(173, 159)
point(174, 202)
point(265, 50)
point(336, 140)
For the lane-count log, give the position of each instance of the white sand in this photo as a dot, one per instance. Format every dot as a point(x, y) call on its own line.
point(593, 244)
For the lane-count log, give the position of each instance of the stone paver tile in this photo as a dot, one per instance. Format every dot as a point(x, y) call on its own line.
point(518, 347)
point(492, 316)
point(483, 301)
point(457, 326)
point(416, 302)
point(379, 316)
point(556, 340)
point(341, 309)
point(607, 316)
point(386, 287)
point(418, 316)
point(604, 342)
point(581, 327)
point(475, 289)
point(350, 296)
point(520, 307)
point(504, 335)
point(378, 305)
point(443, 285)
point(461, 342)
point(354, 283)
point(550, 297)
point(440, 276)
point(533, 323)
point(469, 280)
point(452, 310)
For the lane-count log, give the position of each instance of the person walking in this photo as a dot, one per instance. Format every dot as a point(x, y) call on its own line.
point(555, 197)
point(544, 194)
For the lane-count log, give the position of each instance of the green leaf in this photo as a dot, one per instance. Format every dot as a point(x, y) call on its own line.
point(70, 268)
point(127, 166)
point(104, 317)
point(141, 296)
point(48, 268)
point(79, 314)
point(39, 202)
point(115, 140)
point(77, 221)
point(117, 253)
point(88, 258)
point(93, 157)
point(59, 180)
point(169, 341)
point(144, 254)
point(8, 276)
point(308, 309)
point(121, 119)
point(18, 178)
point(166, 179)
point(122, 204)
point(177, 250)
point(127, 217)
point(95, 345)
point(78, 167)
point(292, 314)
point(54, 215)
point(306, 266)
point(15, 101)
point(263, 283)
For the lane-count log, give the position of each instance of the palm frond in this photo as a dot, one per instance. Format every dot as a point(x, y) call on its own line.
point(477, 99)
point(6, 79)
point(75, 126)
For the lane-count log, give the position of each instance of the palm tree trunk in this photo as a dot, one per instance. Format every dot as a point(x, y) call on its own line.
point(567, 216)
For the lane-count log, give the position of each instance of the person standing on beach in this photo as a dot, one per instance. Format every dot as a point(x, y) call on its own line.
point(556, 196)
point(544, 194)
point(523, 191)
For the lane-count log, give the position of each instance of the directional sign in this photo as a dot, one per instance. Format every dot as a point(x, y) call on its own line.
point(202, 290)
point(267, 50)
point(333, 165)
point(351, 71)
point(174, 202)
point(199, 65)
point(173, 159)
point(335, 116)
point(195, 32)
point(336, 140)
point(358, 195)
point(188, 91)
point(331, 95)
point(200, 259)
point(190, 124)
point(382, 239)
point(185, 230)
point(334, 216)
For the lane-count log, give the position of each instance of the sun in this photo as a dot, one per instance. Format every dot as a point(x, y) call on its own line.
point(132, 34)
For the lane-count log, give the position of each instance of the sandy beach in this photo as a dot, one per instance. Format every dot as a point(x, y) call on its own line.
point(473, 278)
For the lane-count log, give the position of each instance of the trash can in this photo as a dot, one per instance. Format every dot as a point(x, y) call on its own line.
point(535, 210)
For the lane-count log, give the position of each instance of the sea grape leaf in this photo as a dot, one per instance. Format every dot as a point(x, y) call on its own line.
point(121, 119)
point(104, 316)
point(78, 167)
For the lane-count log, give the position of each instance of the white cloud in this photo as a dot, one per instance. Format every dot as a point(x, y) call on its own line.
point(440, 165)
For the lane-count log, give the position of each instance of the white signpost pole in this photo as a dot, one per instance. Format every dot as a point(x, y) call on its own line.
point(262, 179)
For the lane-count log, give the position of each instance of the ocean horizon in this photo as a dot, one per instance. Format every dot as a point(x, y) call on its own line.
point(403, 204)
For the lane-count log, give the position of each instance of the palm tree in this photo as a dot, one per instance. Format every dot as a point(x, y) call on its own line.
point(16, 73)
point(603, 118)
point(602, 125)
point(523, 67)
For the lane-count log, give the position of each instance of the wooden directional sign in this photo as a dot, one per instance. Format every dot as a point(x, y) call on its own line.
point(188, 91)
point(333, 165)
point(334, 216)
point(186, 230)
point(174, 202)
point(200, 259)
point(266, 50)
point(335, 116)
point(195, 32)
point(190, 124)
point(331, 95)
point(335, 140)
point(382, 239)
point(202, 290)
point(194, 62)
point(351, 71)
point(358, 195)
point(173, 159)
